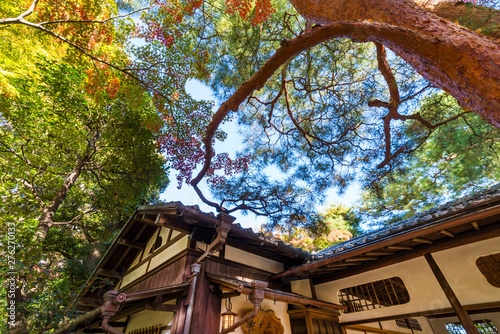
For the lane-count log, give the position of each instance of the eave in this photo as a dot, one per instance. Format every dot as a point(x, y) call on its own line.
point(462, 221)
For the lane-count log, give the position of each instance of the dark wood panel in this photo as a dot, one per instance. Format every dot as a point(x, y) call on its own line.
point(168, 275)
point(206, 313)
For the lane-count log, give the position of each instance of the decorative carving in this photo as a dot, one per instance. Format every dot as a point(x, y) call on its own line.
point(264, 323)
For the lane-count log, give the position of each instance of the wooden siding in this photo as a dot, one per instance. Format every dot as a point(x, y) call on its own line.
point(173, 272)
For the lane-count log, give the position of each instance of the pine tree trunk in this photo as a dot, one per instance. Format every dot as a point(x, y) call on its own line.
point(453, 58)
point(481, 19)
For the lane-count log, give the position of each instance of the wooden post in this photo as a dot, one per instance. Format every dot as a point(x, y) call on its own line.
point(464, 318)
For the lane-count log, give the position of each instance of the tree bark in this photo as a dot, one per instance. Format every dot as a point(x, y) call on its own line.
point(453, 58)
point(46, 219)
point(478, 18)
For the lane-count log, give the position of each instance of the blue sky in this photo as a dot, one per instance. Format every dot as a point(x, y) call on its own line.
point(187, 195)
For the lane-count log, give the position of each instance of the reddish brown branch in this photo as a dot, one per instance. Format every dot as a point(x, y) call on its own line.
point(393, 106)
point(390, 79)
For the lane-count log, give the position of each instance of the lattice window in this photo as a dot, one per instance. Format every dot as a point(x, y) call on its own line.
point(490, 268)
point(383, 293)
point(148, 330)
point(484, 327)
point(409, 323)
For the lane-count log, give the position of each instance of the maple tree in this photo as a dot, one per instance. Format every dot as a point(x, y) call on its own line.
point(79, 152)
point(74, 165)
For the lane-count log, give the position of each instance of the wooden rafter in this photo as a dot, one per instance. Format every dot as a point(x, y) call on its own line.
point(399, 247)
point(368, 329)
point(109, 273)
point(379, 253)
point(131, 243)
point(362, 258)
point(422, 240)
point(487, 232)
point(448, 233)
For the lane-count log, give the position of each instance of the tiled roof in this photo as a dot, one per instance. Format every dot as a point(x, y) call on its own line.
point(476, 199)
point(193, 214)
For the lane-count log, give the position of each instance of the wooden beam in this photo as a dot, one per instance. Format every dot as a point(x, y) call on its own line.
point(296, 300)
point(170, 290)
point(448, 233)
point(313, 289)
point(131, 243)
point(379, 253)
point(119, 262)
point(330, 267)
point(368, 329)
point(148, 220)
point(361, 258)
point(462, 315)
point(399, 247)
point(109, 273)
point(445, 312)
point(487, 232)
point(344, 264)
point(89, 301)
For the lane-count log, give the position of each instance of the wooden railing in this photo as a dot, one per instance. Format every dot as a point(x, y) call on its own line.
point(147, 330)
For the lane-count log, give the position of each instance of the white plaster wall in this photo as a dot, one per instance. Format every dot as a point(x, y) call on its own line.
point(237, 255)
point(242, 306)
point(164, 231)
point(203, 247)
point(157, 260)
point(169, 252)
point(460, 270)
point(175, 233)
point(439, 324)
point(149, 244)
point(391, 325)
point(302, 287)
point(424, 290)
point(150, 318)
point(129, 278)
point(457, 264)
point(136, 260)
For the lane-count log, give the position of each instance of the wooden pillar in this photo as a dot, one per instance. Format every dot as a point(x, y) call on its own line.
point(207, 308)
point(464, 318)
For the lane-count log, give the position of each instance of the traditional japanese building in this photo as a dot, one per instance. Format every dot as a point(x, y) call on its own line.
point(175, 269)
